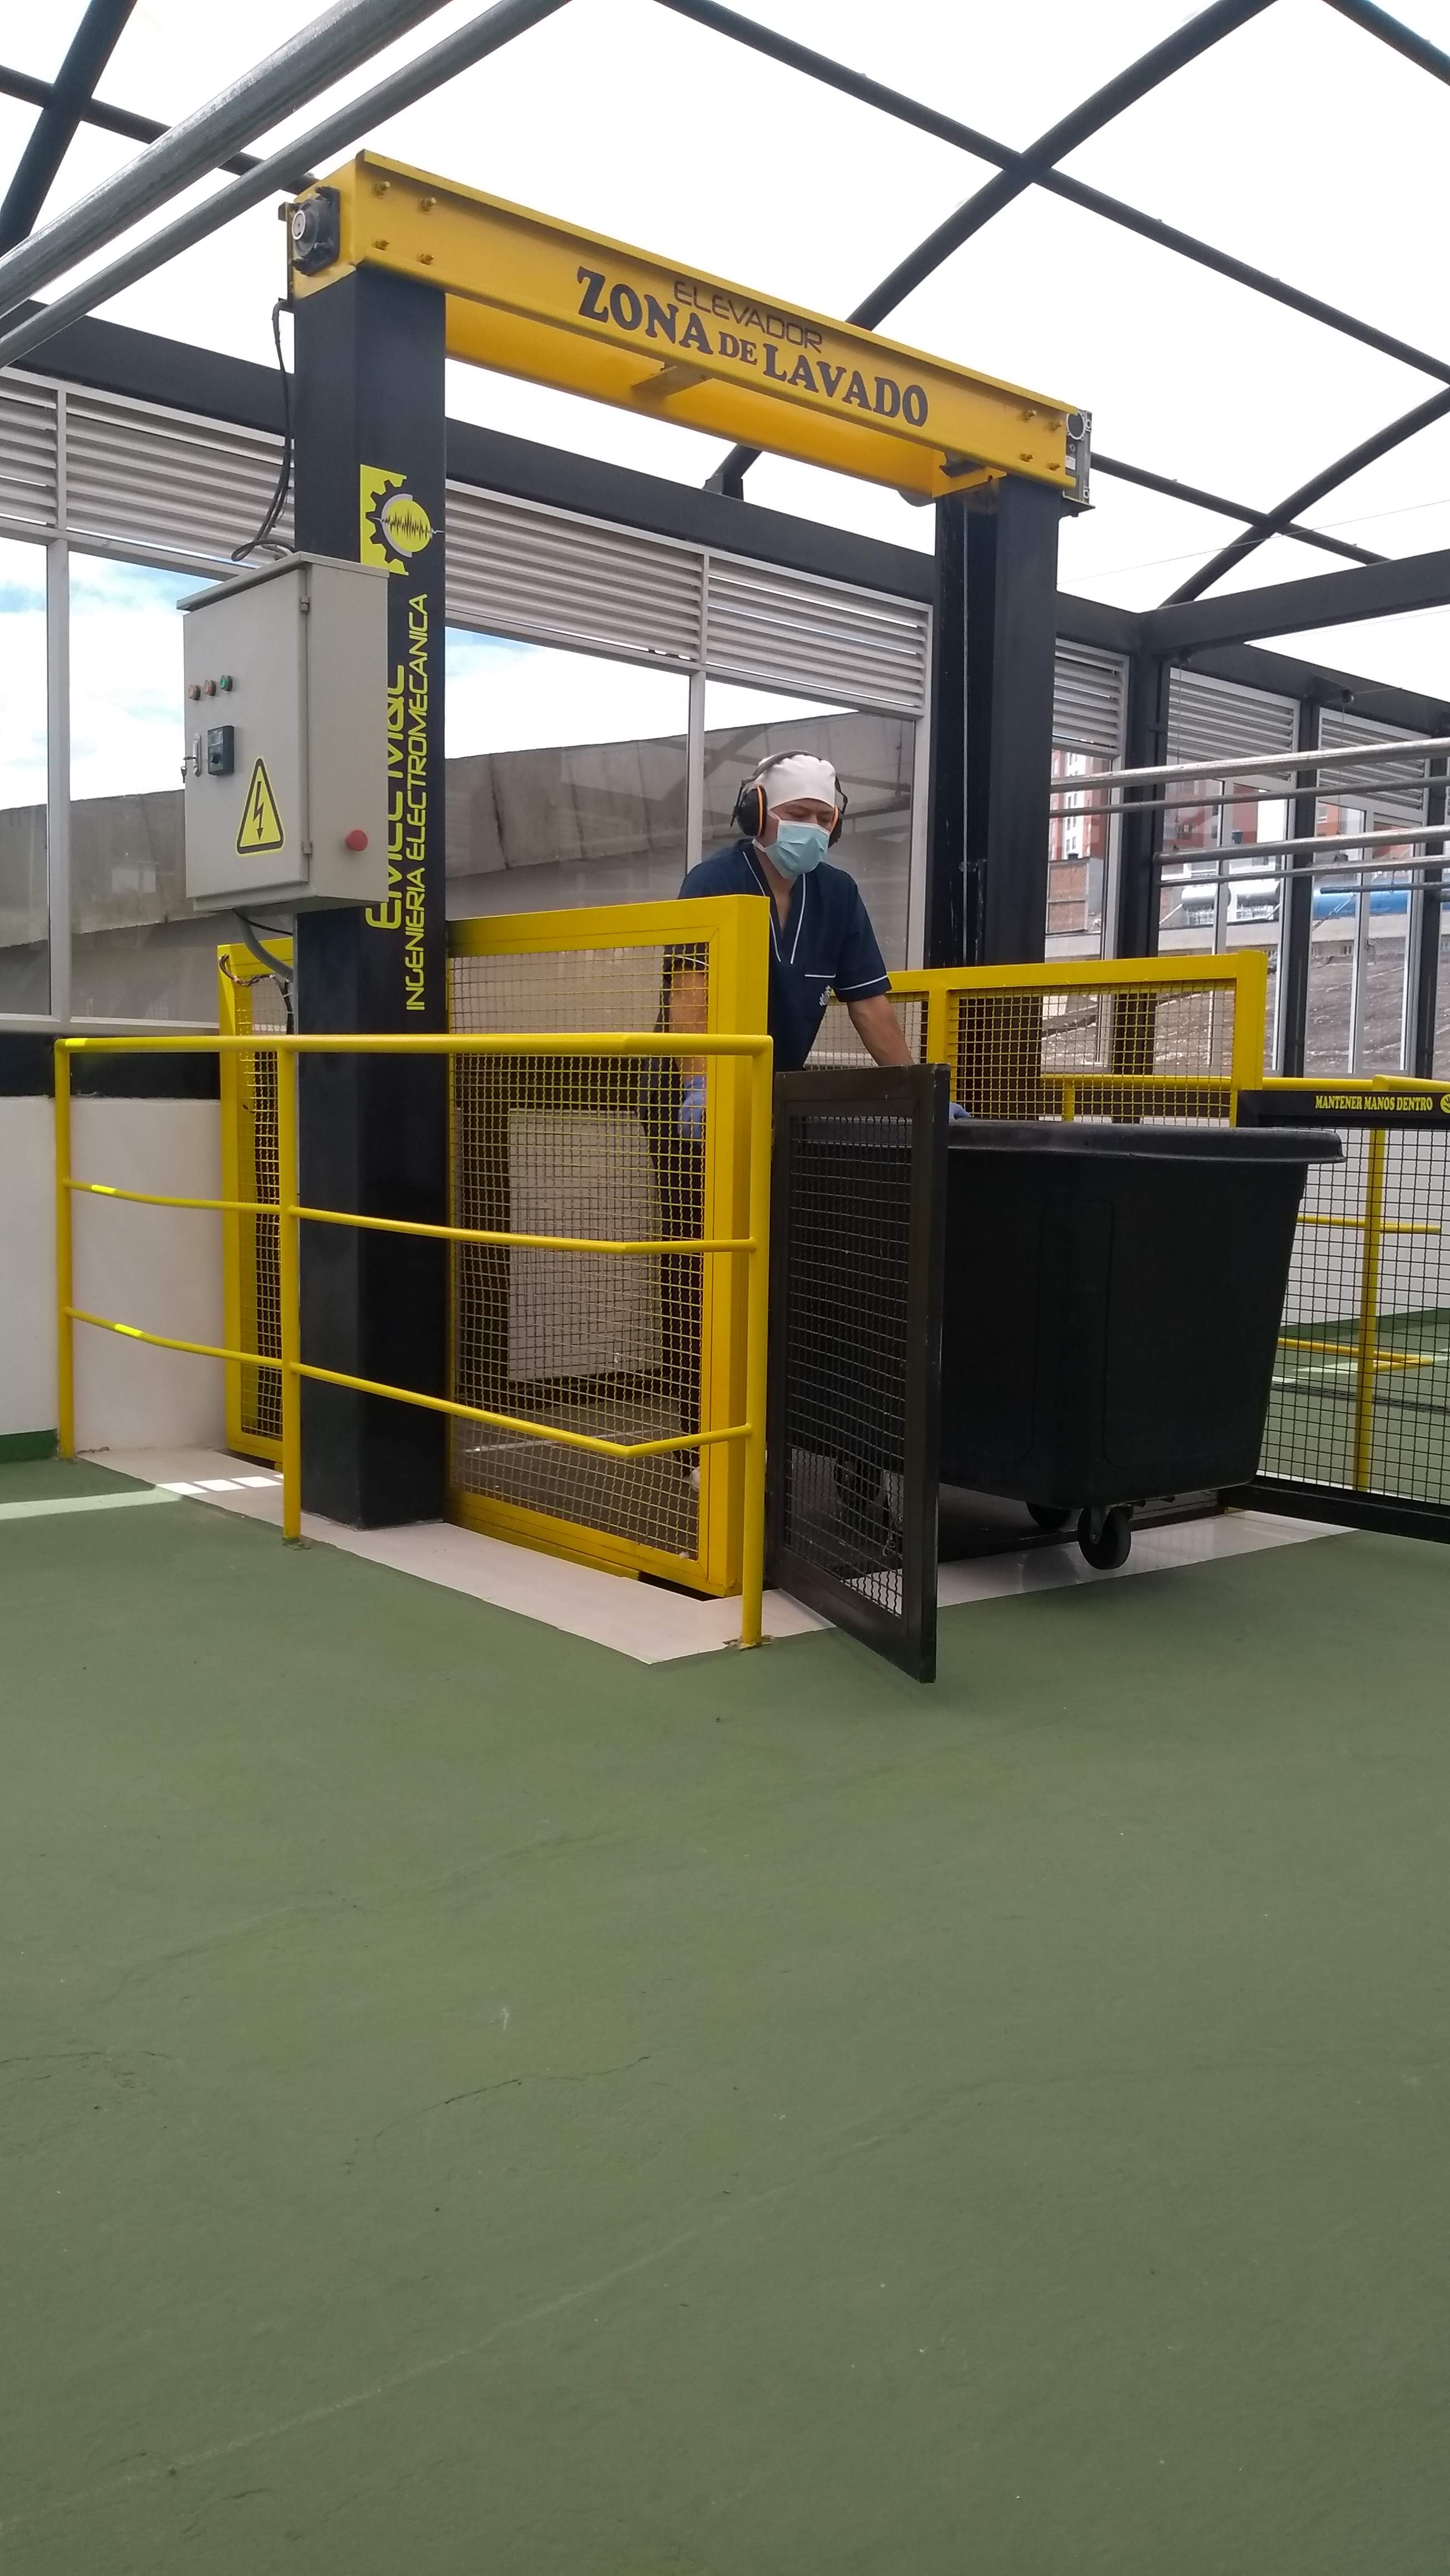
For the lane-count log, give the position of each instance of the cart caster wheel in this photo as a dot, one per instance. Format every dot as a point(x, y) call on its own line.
point(1105, 1538)
point(1050, 1516)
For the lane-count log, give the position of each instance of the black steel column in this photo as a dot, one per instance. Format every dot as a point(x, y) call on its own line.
point(992, 674)
point(946, 827)
point(374, 1130)
point(1140, 832)
point(1296, 906)
point(1424, 965)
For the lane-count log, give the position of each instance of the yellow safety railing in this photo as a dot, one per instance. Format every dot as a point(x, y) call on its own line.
point(616, 967)
point(250, 1000)
point(752, 1052)
point(1129, 1037)
point(1381, 1183)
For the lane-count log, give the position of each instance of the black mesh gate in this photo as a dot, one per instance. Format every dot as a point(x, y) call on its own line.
point(857, 1230)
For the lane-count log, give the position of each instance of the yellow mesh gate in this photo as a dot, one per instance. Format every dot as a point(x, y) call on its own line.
point(248, 998)
point(637, 1150)
point(1129, 1039)
point(1361, 1397)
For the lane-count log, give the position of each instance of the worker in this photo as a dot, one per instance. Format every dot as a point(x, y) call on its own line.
point(790, 814)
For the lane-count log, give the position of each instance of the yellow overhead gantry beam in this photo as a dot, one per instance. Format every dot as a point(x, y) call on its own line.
point(535, 298)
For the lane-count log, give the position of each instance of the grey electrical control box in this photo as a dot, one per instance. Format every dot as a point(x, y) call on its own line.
point(287, 737)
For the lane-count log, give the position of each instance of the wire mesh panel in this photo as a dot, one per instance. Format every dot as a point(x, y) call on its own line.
point(857, 1230)
point(600, 1343)
point(1159, 1050)
point(1124, 1041)
point(1361, 1395)
point(250, 999)
point(837, 1042)
point(628, 1346)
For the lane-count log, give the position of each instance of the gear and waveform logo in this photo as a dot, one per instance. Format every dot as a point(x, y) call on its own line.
point(392, 522)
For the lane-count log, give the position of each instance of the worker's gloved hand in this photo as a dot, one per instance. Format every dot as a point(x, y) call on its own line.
point(691, 1117)
point(957, 1116)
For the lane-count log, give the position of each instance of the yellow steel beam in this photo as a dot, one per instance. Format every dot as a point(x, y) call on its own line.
point(536, 298)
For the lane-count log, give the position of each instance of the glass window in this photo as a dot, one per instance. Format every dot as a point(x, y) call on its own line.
point(1358, 948)
point(872, 756)
point(137, 949)
point(24, 950)
point(1442, 991)
point(566, 778)
point(1211, 902)
point(1079, 841)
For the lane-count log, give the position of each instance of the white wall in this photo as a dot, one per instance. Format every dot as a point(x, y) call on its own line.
point(157, 1267)
point(27, 1267)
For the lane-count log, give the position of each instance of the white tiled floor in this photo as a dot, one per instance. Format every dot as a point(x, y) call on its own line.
point(637, 1619)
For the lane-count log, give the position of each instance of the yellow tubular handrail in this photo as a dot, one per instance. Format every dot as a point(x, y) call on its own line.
point(291, 1215)
point(289, 1294)
point(64, 1279)
point(164, 1198)
point(1369, 1279)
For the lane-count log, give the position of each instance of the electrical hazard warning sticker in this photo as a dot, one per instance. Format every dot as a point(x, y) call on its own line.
point(261, 824)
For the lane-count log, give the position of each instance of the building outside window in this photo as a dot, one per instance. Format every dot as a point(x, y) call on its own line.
point(1211, 902)
point(1079, 843)
point(566, 776)
point(138, 951)
point(24, 899)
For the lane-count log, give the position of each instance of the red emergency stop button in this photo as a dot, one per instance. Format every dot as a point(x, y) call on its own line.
point(356, 841)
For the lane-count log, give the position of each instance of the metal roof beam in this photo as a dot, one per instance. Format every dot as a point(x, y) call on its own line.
point(314, 59)
point(1276, 522)
point(401, 88)
point(984, 147)
point(1416, 48)
point(1148, 73)
point(1298, 607)
point(117, 120)
point(1118, 472)
point(87, 55)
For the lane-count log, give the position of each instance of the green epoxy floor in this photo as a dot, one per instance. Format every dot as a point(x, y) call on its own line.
point(473, 2106)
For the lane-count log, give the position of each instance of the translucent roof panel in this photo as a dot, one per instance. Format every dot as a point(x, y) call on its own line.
point(1301, 143)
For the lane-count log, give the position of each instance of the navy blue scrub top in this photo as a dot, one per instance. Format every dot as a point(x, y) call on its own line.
point(825, 944)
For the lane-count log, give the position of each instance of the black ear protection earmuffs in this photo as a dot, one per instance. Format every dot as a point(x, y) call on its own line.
point(751, 808)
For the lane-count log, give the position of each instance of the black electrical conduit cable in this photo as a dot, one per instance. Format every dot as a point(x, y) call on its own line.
point(278, 502)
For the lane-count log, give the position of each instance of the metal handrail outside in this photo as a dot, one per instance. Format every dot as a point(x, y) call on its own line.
point(1260, 763)
point(291, 1214)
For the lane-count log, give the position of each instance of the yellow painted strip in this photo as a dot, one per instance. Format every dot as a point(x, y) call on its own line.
point(55, 1507)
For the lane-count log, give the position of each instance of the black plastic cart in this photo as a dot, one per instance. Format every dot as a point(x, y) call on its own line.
point(1076, 1317)
point(1111, 1305)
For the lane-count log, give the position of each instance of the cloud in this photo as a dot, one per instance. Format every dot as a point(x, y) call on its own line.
point(22, 674)
point(127, 693)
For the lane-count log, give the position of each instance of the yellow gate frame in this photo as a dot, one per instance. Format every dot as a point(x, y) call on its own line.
point(944, 989)
point(244, 1152)
point(734, 931)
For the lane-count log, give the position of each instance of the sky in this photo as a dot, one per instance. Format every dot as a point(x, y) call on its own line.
point(1300, 143)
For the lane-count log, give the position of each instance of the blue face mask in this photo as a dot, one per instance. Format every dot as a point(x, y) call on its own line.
point(798, 847)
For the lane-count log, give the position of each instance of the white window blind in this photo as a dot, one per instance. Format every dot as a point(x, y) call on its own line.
point(1089, 700)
